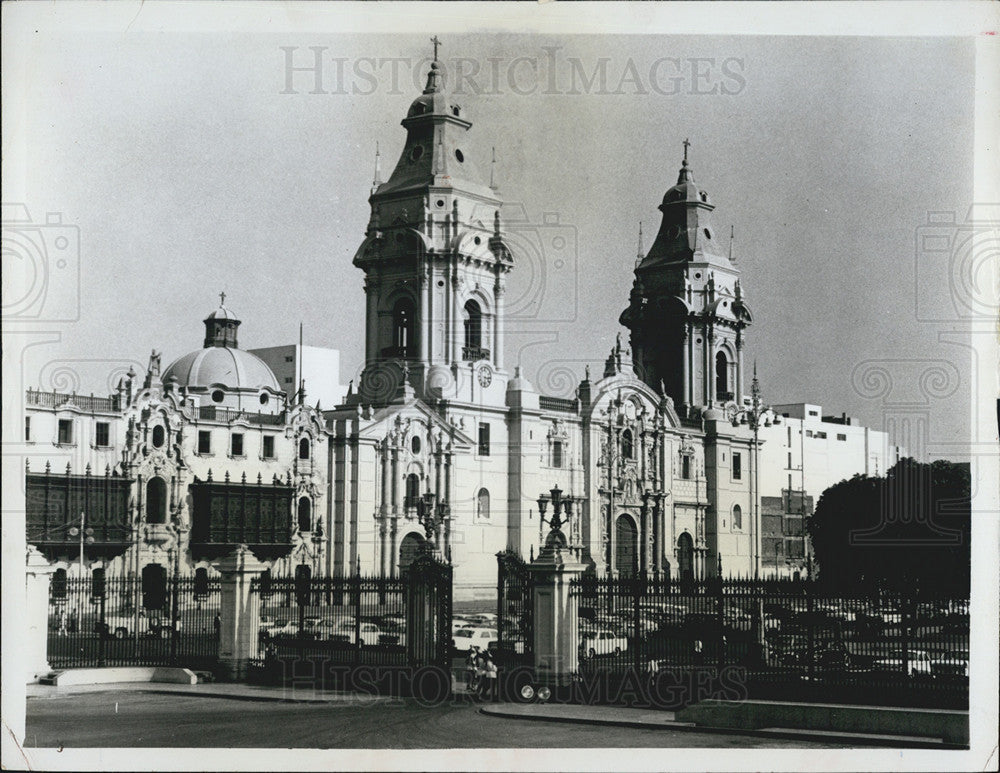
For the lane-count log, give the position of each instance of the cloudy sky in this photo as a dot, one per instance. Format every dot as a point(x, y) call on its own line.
point(198, 163)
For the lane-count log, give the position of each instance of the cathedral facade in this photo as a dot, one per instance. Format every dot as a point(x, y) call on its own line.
point(443, 443)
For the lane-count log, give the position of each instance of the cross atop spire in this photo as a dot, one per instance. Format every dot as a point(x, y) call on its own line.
point(436, 43)
point(222, 299)
point(687, 144)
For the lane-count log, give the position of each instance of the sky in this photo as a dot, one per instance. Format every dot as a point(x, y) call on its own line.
point(193, 164)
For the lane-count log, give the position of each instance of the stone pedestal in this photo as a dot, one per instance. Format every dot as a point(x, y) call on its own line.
point(240, 613)
point(556, 642)
point(38, 576)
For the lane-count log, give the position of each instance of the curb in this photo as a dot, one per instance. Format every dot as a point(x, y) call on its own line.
point(782, 733)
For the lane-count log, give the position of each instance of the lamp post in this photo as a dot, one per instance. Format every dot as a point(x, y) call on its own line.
point(754, 416)
point(560, 503)
point(431, 515)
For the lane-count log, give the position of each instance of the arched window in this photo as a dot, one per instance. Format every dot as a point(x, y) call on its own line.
point(156, 501)
point(473, 330)
point(412, 490)
point(737, 517)
point(722, 391)
point(305, 514)
point(402, 326)
point(59, 584)
point(159, 435)
point(409, 548)
point(628, 447)
point(304, 448)
point(685, 557)
point(483, 503)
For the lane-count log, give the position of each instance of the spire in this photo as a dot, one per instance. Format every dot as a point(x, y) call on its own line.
point(732, 236)
point(434, 76)
point(378, 168)
point(640, 253)
point(493, 166)
point(686, 175)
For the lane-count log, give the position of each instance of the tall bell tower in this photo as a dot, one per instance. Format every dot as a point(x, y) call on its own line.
point(687, 314)
point(435, 260)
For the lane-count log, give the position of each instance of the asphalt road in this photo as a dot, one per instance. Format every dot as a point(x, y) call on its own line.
point(137, 719)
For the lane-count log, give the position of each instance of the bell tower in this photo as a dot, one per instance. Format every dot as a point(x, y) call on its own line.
point(687, 314)
point(435, 259)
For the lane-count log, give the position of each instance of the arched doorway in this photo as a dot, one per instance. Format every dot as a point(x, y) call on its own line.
point(685, 558)
point(626, 547)
point(154, 586)
point(721, 377)
point(409, 549)
point(156, 501)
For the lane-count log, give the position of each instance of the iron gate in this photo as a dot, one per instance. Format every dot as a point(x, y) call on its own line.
point(515, 606)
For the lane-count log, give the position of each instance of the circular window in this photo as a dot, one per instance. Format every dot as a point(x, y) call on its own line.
point(415, 444)
point(218, 396)
point(477, 240)
point(697, 276)
point(725, 303)
point(697, 341)
point(416, 153)
point(159, 435)
point(708, 234)
point(704, 196)
point(263, 398)
point(459, 156)
point(440, 283)
point(440, 202)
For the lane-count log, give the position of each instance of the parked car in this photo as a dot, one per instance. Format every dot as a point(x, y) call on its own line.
point(476, 638)
point(393, 630)
point(602, 642)
point(918, 664)
point(347, 631)
point(123, 626)
point(269, 625)
point(951, 665)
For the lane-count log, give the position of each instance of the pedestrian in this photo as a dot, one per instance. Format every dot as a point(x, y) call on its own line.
point(217, 622)
point(479, 678)
point(491, 678)
point(62, 622)
point(470, 669)
point(698, 655)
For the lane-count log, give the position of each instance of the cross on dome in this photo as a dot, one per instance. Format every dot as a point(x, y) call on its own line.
point(436, 43)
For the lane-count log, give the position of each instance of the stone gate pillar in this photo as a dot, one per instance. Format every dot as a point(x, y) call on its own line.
point(38, 576)
point(556, 634)
point(240, 612)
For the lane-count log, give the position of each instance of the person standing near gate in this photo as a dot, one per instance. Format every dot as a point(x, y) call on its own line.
point(217, 622)
point(62, 622)
point(470, 670)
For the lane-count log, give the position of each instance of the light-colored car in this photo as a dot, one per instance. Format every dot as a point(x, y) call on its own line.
point(348, 631)
point(951, 665)
point(602, 642)
point(918, 664)
point(269, 625)
point(124, 626)
point(476, 638)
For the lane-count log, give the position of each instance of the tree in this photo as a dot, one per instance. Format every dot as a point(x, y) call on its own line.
point(912, 527)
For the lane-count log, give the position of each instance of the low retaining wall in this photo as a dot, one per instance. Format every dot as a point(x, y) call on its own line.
point(126, 674)
point(949, 726)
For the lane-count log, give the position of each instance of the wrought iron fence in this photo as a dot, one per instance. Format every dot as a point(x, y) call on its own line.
point(326, 624)
point(782, 638)
point(515, 606)
point(123, 620)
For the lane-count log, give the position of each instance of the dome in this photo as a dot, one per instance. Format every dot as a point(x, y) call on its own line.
point(232, 368)
point(221, 313)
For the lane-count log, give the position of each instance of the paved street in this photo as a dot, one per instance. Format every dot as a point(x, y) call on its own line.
point(138, 719)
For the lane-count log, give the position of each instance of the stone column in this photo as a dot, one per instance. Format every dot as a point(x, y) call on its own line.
point(423, 317)
point(498, 293)
point(240, 612)
point(556, 641)
point(371, 326)
point(38, 576)
point(455, 332)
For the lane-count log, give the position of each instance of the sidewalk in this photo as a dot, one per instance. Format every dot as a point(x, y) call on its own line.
point(234, 691)
point(668, 720)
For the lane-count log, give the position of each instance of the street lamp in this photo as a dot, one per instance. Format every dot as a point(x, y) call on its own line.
point(561, 504)
point(86, 536)
point(431, 514)
point(754, 416)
